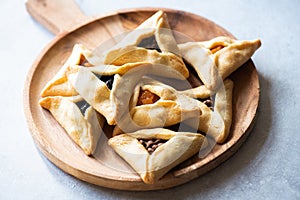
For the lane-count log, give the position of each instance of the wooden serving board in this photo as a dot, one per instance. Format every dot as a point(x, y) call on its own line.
point(65, 19)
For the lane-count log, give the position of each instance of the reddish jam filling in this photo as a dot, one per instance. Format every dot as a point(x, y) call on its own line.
point(147, 97)
point(83, 61)
point(216, 49)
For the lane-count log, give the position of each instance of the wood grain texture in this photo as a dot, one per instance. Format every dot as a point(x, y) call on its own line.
point(106, 168)
point(56, 15)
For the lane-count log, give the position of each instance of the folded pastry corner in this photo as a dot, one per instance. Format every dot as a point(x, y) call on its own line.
point(152, 41)
point(154, 152)
point(139, 54)
point(223, 106)
point(200, 59)
point(216, 59)
point(94, 91)
point(118, 87)
point(59, 84)
point(216, 121)
point(80, 121)
point(232, 53)
point(154, 105)
point(108, 88)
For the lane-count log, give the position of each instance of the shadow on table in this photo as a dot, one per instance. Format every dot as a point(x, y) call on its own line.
point(218, 178)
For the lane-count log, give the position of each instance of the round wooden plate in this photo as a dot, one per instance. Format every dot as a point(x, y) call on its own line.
point(106, 168)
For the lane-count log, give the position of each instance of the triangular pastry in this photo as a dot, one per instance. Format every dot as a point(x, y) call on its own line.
point(154, 152)
point(111, 102)
point(170, 108)
point(156, 26)
point(216, 59)
point(200, 59)
point(59, 84)
point(82, 124)
point(131, 50)
point(129, 87)
point(231, 54)
point(94, 91)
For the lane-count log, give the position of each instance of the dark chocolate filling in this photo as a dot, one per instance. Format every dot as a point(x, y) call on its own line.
point(82, 105)
point(209, 102)
point(193, 78)
point(149, 43)
point(108, 80)
point(182, 127)
point(152, 144)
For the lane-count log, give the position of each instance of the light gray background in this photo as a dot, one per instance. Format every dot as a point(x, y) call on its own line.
point(265, 167)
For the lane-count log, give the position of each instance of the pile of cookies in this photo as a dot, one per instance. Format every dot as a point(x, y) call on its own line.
point(163, 100)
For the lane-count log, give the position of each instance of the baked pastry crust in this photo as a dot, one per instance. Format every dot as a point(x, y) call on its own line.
point(213, 67)
point(233, 54)
point(127, 50)
point(151, 167)
point(59, 84)
point(84, 129)
point(172, 107)
point(138, 54)
point(94, 91)
point(200, 92)
point(200, 59)
point(128, 66)
point(112, 103)
point(223, 106)
point(216, 123)
point(158, 26)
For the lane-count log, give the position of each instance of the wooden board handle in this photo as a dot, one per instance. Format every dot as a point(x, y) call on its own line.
point(56, 15)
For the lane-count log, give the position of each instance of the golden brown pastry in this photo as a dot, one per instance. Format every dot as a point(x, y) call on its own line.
point(200, 92)
point(231, 54)
point(156, 26)
point(59, 84)
point(112, 102)
point(171, 107)
point(153, 152)
point(223, 106)
point(80, 121)
point(133, 48)
point(125, 87)
point(217, 122)
point(94, 91)
point(138, 54)
point(216, 59)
